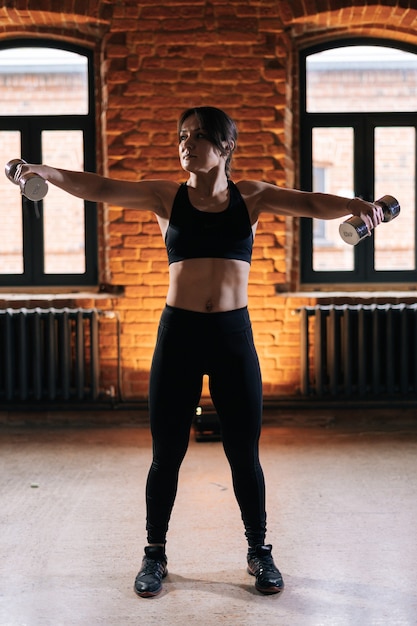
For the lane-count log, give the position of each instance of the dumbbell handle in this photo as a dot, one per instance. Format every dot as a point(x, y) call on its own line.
point(354, 229)
point(32, 186)
point(11, 169)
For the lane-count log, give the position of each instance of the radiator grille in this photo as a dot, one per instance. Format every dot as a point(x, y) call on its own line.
point(359, 350)
point(49, 354)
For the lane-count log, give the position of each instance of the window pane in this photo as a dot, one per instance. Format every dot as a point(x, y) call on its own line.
point(64, 230)
point(333, 173)
point(395, 175)
point(361, 78)
point(11, 247)
point(43, 81)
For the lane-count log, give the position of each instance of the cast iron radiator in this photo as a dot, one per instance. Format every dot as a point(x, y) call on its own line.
point(49, 354)
point(359, 350)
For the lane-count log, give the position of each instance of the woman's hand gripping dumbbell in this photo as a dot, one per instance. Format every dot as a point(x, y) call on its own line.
point(355, 229)
point(31, 185)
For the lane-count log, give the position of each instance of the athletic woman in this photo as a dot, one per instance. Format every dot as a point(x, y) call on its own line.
point(208, 224)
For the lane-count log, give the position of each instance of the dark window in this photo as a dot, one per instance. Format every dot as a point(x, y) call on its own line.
point(47, 116)
point(358, 138)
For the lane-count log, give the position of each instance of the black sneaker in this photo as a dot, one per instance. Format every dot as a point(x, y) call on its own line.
point(148, 582)
point(261, 564)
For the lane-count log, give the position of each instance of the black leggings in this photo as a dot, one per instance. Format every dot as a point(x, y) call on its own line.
point(190, 345)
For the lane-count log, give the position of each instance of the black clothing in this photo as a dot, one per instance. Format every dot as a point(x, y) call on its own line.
point(148, 582)
point(195, 234)
point(261, 564)
point(190, 345)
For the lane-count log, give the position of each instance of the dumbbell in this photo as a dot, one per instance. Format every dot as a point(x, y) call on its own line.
point(354, 229)
point(32, 186)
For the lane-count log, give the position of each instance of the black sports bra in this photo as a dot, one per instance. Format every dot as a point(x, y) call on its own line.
point(193, 234)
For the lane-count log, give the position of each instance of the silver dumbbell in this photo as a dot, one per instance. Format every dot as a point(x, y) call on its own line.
point(31, 186)
point(354, 229)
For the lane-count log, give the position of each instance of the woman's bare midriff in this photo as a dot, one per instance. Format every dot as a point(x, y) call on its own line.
point(208, 285)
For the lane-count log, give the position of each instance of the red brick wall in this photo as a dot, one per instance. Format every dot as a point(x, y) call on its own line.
point(152, 61)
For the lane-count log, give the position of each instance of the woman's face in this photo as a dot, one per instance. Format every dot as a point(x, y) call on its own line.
point(196, 152)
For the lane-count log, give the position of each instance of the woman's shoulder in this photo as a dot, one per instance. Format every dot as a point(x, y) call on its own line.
point(261, 196)
point(148, 194)
point(250, 190)
point(249, 187)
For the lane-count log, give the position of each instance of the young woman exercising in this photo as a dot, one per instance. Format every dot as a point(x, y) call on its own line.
point(208, 224)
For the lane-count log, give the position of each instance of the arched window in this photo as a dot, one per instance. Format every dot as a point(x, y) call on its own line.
point(47, 116)
point(358, 138)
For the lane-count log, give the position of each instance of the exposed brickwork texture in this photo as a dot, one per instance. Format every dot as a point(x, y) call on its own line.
point(151, 62)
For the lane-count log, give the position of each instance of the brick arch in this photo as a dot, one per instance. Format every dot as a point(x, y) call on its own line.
point(341, 18)
point(317, 12)
point(87, 21)
point(336, 31)
point(93, 10)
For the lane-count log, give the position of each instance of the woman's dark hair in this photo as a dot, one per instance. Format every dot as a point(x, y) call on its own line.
point(218, 127)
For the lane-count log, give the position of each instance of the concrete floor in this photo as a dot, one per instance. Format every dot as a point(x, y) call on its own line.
point(342, 510)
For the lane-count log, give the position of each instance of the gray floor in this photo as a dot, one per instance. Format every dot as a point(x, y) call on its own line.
point(342, 510)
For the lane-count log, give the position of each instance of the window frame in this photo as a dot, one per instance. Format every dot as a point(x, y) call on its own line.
point(363, 125)
point(31, 128)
